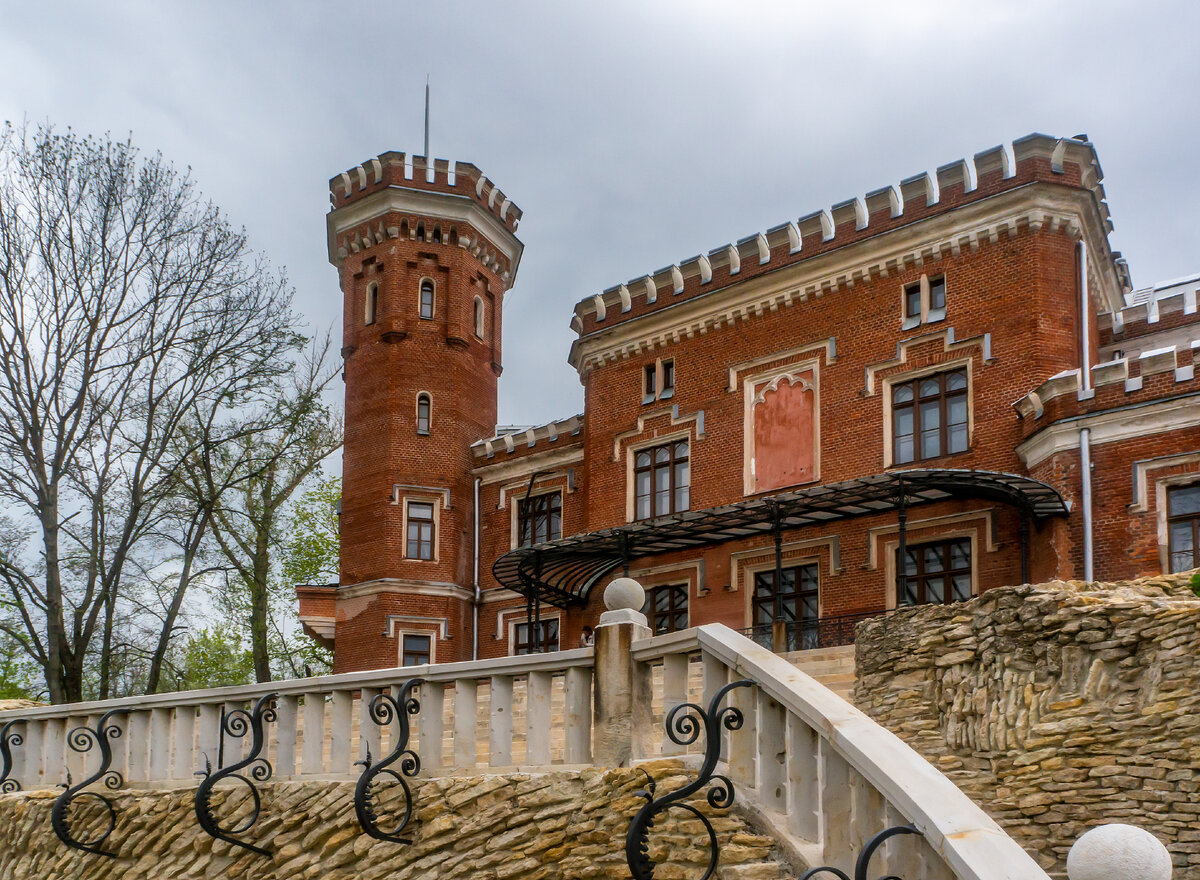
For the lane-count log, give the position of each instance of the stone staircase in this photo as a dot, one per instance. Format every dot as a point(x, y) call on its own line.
point(832, 667)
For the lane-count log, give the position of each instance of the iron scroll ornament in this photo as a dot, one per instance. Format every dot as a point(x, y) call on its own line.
point(383, 708)
point(238, 723)
point(864, 857)
point(81, 739)
point(683, 725)
point(8, 784)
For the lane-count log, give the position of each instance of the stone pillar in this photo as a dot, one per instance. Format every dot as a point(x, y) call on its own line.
point(622, 711)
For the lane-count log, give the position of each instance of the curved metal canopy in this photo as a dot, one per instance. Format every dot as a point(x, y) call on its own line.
point(563, 572)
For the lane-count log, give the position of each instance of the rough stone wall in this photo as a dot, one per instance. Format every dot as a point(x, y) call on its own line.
point(560, 825)
point(1056, 707)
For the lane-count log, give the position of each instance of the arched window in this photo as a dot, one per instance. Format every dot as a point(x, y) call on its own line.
point(423, 408)
point(437, 234)
point(420, 232)
point(479, 317)
point(372, 304)
point(427, 298)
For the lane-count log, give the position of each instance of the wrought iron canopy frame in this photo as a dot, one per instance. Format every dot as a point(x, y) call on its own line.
point(563, 572)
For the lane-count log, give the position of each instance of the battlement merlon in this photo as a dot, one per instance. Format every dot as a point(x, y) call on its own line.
point(441, 189)
point(1035, 158)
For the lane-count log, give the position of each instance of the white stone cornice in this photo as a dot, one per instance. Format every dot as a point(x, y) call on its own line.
point(510, 469)
point(1110, 426)
point(444, 206)
point(405, 587)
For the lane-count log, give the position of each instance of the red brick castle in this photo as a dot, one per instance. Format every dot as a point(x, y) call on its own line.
point(911, 397)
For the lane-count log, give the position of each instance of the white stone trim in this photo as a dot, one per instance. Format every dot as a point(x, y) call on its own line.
point(393, 620)
point(1141, 471)
point(987, 514)
point(447, 207)
point(830, 543)
point(634, 448)
point(435, 500)
point(1111, 426)
point(750, 399)
point(512, 471)
point(515, 508)
point(405, 587)
point(322, 626)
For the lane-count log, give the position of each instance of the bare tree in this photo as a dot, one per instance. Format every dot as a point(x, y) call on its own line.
point(297, 433)
point(128, 308)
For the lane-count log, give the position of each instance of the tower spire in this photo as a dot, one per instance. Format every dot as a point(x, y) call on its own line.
point(426, 117)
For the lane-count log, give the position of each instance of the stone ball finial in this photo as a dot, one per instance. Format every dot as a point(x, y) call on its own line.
point(1116, 852)
point(624, 593)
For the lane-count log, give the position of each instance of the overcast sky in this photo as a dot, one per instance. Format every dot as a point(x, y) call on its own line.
point(632, 134)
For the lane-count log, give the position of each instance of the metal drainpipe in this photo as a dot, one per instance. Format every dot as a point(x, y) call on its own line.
point(478, 593)
point(1085, 434)
point(1085, 466)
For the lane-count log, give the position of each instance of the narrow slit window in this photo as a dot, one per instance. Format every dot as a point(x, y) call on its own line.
point(423, 408)
point(372, 304)
point(479, 317)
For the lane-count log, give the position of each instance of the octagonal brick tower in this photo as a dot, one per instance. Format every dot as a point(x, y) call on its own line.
point(424, 255)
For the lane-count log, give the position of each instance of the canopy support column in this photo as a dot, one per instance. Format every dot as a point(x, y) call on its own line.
point(902, 550)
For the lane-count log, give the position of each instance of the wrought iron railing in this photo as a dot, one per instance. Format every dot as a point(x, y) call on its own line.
point(805, 635)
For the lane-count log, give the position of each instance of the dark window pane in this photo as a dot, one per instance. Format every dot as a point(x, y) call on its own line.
point(1183, 501)
point(937, 293)
point(648, 375)
point(912, 301)
point(668, 376)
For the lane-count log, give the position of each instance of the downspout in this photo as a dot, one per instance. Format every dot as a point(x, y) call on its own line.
point(1085, 434)
point(478, 593)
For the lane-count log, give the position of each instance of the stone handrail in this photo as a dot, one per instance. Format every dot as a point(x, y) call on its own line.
point(822, 773)
point(166, 738)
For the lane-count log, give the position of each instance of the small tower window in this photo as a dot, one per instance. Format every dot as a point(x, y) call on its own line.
point(423, 407)
point(372, 304)
point(427, 299)
point(479, 317)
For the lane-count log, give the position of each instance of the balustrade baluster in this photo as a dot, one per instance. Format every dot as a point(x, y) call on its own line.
point(312, 759)
point(185, 749)
point(771, 757)
point(235, 746)
point(35, 767)
point(74, 762)
point(430, 726)
point(900, 855)
point(466, 710)
point(714, 675)
point(675, 685)
point(803, 780)
point(743, 743)
point(836, 810)
point(501, 728)
point(578, 716)
point(369, 733)
point(208, 736)
point(286, 708)
point(135, 727)
point(537, 718)
point(160, 745)
point(341, 722)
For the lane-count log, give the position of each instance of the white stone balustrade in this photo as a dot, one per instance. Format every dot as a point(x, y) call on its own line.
point(509, 712)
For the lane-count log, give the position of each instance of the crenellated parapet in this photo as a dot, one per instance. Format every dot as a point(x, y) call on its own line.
point(1152, 310)
point(1068, 162)
point(417, 172)
point(1158, 373)
point(551, 435)
point(437, 202)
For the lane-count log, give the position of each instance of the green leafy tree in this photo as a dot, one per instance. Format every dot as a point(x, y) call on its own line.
point(213, 656)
